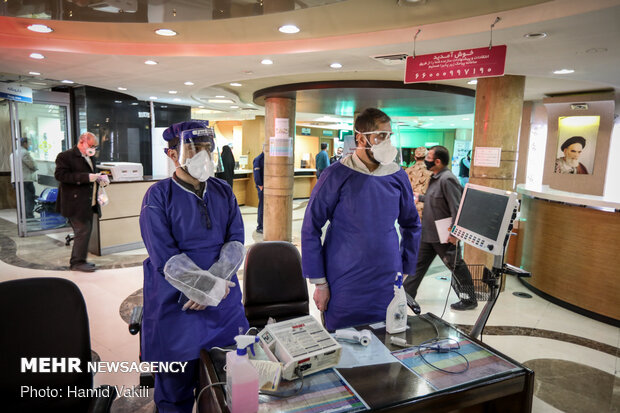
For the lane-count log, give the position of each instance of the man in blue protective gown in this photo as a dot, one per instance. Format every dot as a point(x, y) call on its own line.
point(193, 217)
point(362, 197)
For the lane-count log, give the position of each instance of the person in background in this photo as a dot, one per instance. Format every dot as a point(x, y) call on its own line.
point(569, 163)
point(77, 195)
point(442, 200)
point(419, 176)
point(259, 173)
point(321, 160)
point(187, 221)
point(337, 156)
point(228, 163)
point(464, 169)
point(29, 176)
point(362, 197)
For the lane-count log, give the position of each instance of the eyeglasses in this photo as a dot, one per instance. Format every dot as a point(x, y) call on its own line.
point(380, 135)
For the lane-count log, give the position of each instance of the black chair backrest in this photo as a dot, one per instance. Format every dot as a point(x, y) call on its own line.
point(273, 284)
point(42, 317)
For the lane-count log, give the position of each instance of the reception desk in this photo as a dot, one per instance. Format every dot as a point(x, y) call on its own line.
point(569, 242)
point(245, 189)
point(118, 228)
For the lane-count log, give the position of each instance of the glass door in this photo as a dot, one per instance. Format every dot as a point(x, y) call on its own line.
point(40, 133)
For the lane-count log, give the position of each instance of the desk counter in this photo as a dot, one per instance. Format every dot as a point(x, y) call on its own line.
point(569, 242)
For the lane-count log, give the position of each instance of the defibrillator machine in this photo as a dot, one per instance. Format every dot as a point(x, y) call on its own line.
point(302, 345)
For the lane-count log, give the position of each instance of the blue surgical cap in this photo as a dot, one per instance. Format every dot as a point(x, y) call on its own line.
point(174, 130)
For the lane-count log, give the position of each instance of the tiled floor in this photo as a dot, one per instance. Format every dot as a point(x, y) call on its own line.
point(563, 369)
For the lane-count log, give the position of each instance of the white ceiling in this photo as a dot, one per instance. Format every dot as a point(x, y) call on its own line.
point(584, 36)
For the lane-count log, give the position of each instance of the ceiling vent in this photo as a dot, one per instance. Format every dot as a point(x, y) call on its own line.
point(391, 59)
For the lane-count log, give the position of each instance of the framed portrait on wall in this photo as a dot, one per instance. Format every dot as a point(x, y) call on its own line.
point(576, 145)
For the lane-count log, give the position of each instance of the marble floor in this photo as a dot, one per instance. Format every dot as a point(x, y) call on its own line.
point(576, 359)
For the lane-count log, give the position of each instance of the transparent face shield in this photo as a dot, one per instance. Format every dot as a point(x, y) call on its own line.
point(195, 148)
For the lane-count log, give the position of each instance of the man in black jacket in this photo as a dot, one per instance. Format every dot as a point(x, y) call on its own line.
point(77, 195)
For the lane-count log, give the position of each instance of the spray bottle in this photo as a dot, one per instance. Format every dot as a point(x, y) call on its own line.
point(396, 315)
point(242, 377)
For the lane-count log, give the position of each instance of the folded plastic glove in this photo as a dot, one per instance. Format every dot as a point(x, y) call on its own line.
point(231, 257)
point(197, 284)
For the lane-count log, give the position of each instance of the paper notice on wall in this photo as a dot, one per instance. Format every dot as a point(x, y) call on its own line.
point(281, 128)
point(489, 157)
point(280, 146)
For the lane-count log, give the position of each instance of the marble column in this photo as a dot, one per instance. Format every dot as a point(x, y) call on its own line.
point(499, 106)
point(279, 171)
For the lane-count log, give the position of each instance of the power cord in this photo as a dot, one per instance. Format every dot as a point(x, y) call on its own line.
point(440, 345)
point(452, 279)
point(219, 383)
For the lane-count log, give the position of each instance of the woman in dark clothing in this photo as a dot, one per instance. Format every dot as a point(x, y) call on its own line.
point(228, 163)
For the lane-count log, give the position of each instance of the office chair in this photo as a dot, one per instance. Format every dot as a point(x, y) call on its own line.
point(273, 284)
point(46, 318)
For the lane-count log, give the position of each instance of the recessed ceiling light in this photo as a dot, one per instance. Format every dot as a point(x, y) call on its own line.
point(134, 103)
point(165, 32)
point(150, 62)
point(473, 82)
point(164, 106)
point(452, 124)
point(118, 101)
point(563, 71)
point(236, 84)
point(335, 65)
point(221, 101)
point(172, 92)
point(220, 96)
point(40, 28)
point(176, 100)
point(432, 119)
point(289, 29)
point(153, 97)
point(121, 88)
point(535, 35)
point(34, 73)
point(465, 118)
point(234, 107)
point(266, 62)
point(188, 83)
point(68, 81)
point(36, 56)
point(201, 107)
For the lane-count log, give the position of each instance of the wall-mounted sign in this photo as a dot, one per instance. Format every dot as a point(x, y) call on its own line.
point(144, 114)
point(280, 146)
point(327, 132)
point(487, 156)
point(16, 92)
point(458, 64)
point(306, 131)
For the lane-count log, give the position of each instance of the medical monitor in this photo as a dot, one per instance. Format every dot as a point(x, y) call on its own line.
point(484, 216)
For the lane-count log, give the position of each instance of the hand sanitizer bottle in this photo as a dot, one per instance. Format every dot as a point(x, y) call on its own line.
point(241, 377)
point(396, 315)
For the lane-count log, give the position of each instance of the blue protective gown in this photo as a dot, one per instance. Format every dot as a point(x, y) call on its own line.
point(174, 220)
point(360, 255)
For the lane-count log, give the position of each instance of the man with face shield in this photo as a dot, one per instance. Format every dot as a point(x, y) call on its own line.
point(193, 231)
point(362, 196)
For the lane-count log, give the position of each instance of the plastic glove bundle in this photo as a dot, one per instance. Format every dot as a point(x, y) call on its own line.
point(198, 285)
point(231, 257)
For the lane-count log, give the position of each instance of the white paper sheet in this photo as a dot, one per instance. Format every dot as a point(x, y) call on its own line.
point(443, 229)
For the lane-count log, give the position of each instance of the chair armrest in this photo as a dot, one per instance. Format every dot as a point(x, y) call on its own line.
point(103, 403)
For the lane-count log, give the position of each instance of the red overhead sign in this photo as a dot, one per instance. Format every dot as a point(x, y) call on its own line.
point(458, 64)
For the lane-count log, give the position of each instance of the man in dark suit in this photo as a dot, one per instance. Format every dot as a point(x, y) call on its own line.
point(259, 171)
point(77, 195)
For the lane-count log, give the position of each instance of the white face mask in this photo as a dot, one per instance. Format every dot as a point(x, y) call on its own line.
point(384, 152)
point(91, 151)
point(200, 166)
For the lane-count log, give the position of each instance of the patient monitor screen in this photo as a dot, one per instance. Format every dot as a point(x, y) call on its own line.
point(482, 213)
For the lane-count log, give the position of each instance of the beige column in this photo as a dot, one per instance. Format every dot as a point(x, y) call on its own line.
point(279, 172)
point(499, 105)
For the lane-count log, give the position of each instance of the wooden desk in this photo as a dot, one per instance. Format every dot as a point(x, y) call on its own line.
point(392, 387)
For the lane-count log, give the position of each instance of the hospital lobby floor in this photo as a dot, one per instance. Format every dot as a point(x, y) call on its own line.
point(576, 359)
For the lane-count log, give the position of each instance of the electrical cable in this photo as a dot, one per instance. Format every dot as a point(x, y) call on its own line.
point(452, 279)
point(219, 383)
point(428, 345)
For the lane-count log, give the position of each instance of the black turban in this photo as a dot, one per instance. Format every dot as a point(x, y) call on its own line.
point(575, 139)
